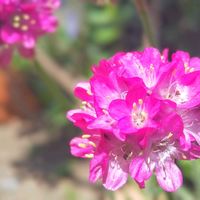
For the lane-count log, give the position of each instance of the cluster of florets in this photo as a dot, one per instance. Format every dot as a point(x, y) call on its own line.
point(140, 113)
point(22, 22)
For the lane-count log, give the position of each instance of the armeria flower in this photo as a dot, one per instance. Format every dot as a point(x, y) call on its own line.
point(110, 157)
point(113, 160)
point(180, 87)
point(191, 122)
point(189, 64)
point(26, 21)
point(137, 111)
point(163, 148)
point(139, 114)
point(149, 65)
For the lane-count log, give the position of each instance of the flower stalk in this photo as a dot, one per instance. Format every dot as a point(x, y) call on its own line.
point(146, 19)
point(51, 85)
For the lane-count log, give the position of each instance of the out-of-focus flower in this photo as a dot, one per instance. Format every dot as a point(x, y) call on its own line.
point(23, 22)
point(140, 113)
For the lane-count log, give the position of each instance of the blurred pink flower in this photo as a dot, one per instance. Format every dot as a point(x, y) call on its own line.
point(140, 113)
point(25, 21)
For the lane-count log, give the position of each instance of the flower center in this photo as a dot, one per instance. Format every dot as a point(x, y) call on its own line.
point(179, 94)
point(23, 22)
point(165, 148)
point(122, 153)
point(139, 116)
point(148, 74)
point(127, 152)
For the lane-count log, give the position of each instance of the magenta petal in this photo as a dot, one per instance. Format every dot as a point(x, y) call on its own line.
point(165, 53)
point(139, 170)
point(83, 91)
point(98, 166)
point(103, 122)
point(126, 125)
point(49, 23)
point(135, 94)
point(193, 92)
point(29, 41)
point(121, 136)
point(152, 106)
point(195, 63)
point(169, 176)
point(194, 152)
point(181, 55)
point(78, 114)
point(151, 56)
point(176, 125)
point(80, 118)
point(103, 92)
point(191, 122)
point(9, 36)
point(79, 147)
point(116, 176)
point(185, 141)
point(118, 109)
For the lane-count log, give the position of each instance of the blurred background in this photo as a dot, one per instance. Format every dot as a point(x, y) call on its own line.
point(35, 94)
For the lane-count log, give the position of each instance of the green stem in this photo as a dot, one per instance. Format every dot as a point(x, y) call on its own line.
point(146, 19)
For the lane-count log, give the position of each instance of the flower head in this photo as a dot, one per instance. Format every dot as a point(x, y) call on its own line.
point(140, 114)
point(26, 21)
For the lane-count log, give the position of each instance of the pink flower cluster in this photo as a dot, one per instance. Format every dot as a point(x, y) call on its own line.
point(22, 22)
point(140, 113)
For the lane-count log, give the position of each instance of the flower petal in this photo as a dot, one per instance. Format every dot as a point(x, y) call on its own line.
point(98, 166)
point(117, 175)
point(140, 171)
point(83, 91)
point(118, 109)
point(81, 147)
point(9, 36)
point(169, 176)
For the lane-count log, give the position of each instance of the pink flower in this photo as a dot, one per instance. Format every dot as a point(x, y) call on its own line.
point(187, 64)
point(182, 88)
point(137, 111)
point(110, 157)
point(140, 113)
point(148, 65)
point(25, 22)
point(191, 122)
point(113, 159)
point(163, 148)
